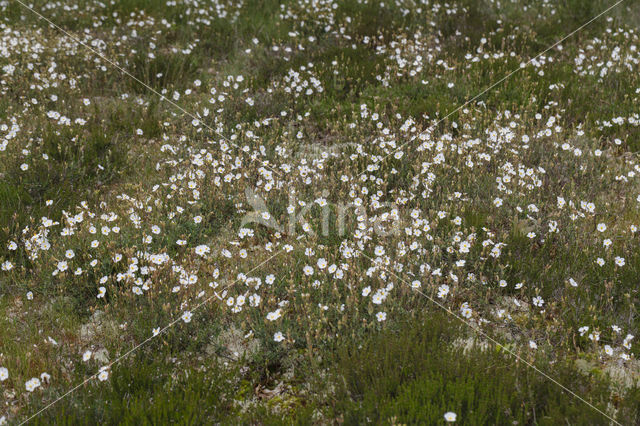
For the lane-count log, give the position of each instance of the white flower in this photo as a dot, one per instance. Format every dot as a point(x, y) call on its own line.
point(608, 350)
point(366, 291)
point(254, 300)
point(381, 316)
point(561, 202)
point(377, 298)
point(601, 227)
point(4, 374)
point(32, 384)
point(202, 250)
point(272, 316)
point(450, 417)
point(186, 316)
point(86, 356)
point(443, 290)
point(104, 374)
point(465, 310)
point(278, 337)
point(627, 341)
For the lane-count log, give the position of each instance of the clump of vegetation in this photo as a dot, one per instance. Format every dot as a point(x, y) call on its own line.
point(413, 374)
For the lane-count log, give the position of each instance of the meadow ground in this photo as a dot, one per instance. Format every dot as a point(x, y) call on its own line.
point(319, 212)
